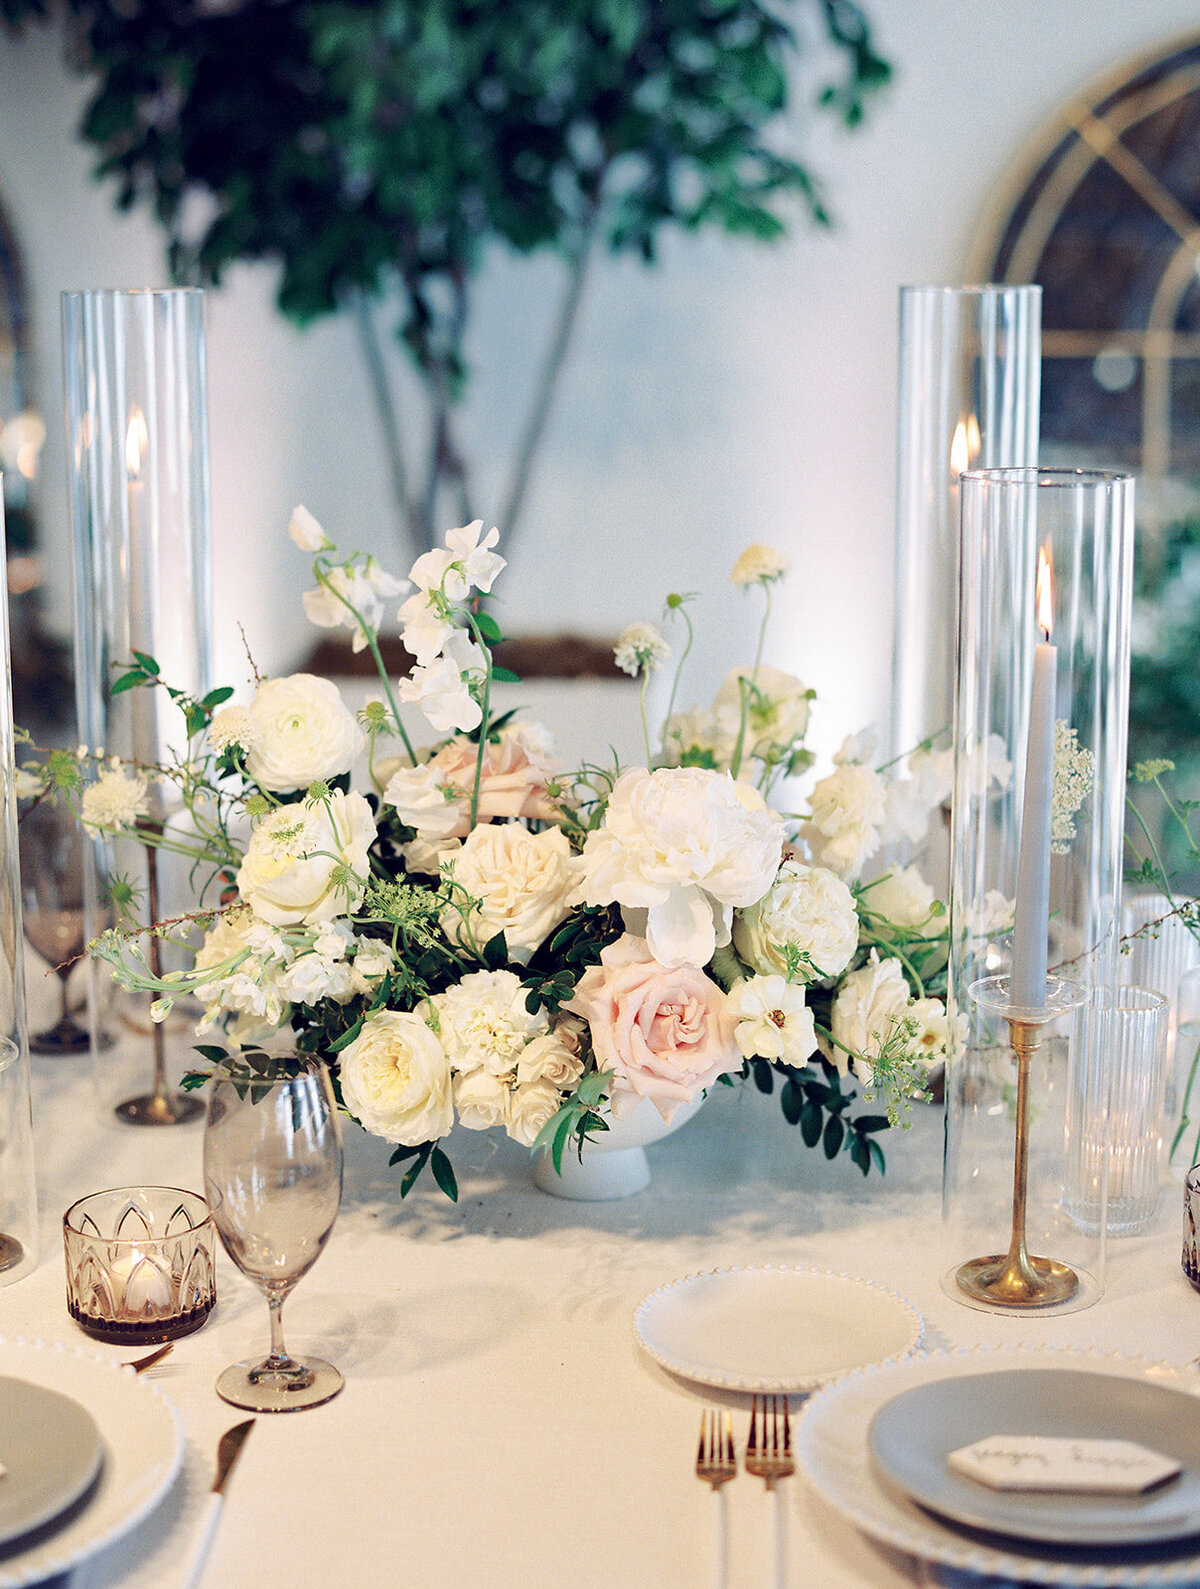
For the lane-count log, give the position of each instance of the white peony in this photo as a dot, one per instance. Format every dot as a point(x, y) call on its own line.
point(303, 733)
point(521, 884)
point(808, 907)
point(902, 898)
point(869, 1006)
point(773, 1021)
point(480, 1100)
point(527, 1110)
point(846, 812)
point(687, 845)
point(308, 863)
point(483, 1022)
point(396, 1081)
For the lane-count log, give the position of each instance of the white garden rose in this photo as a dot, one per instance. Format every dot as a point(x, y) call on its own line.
point(686, 845)
point(846, 811)
point(484, 1022)
point(396, 1080)
point(308, 863)
point(902, 898)
point(528, 1109)
point(869, 1006)
point(303, 733)
point(480, 1100)
point(523, 884)
point(807, 907)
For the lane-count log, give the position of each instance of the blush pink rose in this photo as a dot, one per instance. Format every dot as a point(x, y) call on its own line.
point(665, 1032)
point(516, 770)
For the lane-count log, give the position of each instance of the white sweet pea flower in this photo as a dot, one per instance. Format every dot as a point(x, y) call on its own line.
point(306, 532)
point(475, 565)
point(773, 1021)
point(424, 631)
point(354, 598)
point(443, 696)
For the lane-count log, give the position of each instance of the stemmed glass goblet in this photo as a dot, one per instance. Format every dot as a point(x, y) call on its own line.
point(52, 866)
point(273, 1179)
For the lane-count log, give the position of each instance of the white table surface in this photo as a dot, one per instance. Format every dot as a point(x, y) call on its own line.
point(500, 1426)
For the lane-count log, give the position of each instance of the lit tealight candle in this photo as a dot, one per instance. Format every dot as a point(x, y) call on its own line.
point(1031, 930)
point(140, 1289)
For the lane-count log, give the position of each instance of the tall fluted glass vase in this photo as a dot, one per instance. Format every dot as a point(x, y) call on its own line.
point(137, 437)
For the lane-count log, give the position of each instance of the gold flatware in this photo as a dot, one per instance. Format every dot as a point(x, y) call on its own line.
point(141, 1364)
point(228, 1450)
point(716, 1464)
point(769, 1457)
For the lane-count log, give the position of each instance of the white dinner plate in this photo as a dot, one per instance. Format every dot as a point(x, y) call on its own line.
point(832, 1443)
point(143, 1451)
point(51, 1451)
point(773, 1329)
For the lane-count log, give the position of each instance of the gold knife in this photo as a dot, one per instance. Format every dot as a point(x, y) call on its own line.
point(228, 1451)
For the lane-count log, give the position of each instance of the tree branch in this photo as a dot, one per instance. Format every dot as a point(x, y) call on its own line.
point(389, 417)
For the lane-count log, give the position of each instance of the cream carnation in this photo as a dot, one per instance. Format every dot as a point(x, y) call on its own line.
point(303, 733)
point(480, 1100)
point(308, 863)
point(806, 907)
point(687, 845)
point(396, 1081)
point(484, 1022)
point(520, 884)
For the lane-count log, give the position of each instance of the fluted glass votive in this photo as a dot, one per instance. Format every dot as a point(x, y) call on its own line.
point(140, 1264)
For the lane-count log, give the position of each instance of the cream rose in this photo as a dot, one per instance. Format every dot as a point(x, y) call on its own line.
point(527, 1110)
point(870, 1004)
point(522, 883)
point(552, 1057)
point(480, 1100)
point(308, 863)
point(807, 907)
point(396, 1080)
point(686, 845)
point(665, 1032)
point(303, 733)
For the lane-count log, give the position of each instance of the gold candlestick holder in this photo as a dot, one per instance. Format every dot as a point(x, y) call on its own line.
point(1016, 1279)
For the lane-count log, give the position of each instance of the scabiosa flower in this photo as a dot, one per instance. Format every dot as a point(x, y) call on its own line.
point(759, 565)
point(232, 726)
point(116, 800)
point(639, 649)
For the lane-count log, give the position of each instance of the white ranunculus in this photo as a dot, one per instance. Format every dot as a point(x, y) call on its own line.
point(523, 883)
point(308, 863)
point(484, 1022)
point(396, 1081)
point(303, 733)
point(870, 1004)
point(773, 1021)
point(687, 845)
point(902, 898)
point(846, 811)
point(528, 1109)
point(480, 1100)
point(806, 906)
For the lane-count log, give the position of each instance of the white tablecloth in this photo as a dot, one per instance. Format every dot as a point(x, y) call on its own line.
point(499, 1425)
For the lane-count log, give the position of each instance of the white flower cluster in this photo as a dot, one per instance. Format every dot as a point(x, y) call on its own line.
point(1074, 771)
point(116, 800)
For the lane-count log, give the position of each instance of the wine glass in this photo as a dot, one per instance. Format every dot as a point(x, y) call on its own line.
point(52, 867)
point(273, 1179)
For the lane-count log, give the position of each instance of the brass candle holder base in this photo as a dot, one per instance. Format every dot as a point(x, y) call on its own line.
point(11, 1252)
point(1016, 1279)
point(159, 1109)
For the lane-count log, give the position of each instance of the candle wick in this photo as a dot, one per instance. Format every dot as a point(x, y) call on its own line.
point(1045, 633)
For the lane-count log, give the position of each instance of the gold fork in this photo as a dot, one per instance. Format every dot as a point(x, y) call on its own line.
point(141, 1364)
point(716, 1463)
point(771, 1459)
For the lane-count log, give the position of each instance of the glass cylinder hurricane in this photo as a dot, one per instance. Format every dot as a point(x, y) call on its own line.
point(137, 448)
point(969, 393)
point(1082, 522)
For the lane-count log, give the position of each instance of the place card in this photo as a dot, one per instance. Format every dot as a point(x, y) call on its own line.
point(1050, 1463)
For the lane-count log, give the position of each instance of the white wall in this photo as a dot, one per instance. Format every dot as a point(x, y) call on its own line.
point(732, 394)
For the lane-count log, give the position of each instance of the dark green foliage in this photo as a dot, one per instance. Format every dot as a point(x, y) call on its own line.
point(813, 1099)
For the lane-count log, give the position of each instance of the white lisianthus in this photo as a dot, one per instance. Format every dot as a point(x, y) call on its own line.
point(870, 1004)
point(116, 800)
point(352, 597)
point(773, 1021)
point(528, 1108)
point(303, 733)
point(480, 1100)
point(846, 810)
point(232, 726)
point(396, 1081)
point(308, 863)
point(759, 565)
point(373, 959)
point(306, 532)
point(777, 709)
point(806, 907)
point(640, 649)
point(483, 1022)
point(901, 898)
point(521, 883)
point(687, 845)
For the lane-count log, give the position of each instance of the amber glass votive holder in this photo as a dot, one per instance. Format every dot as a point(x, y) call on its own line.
point(140, 1264)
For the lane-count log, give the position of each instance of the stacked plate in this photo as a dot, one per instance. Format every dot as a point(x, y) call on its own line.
point(875, 1446)
point(88, 1450)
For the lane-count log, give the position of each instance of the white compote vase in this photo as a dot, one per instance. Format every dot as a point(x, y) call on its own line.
point(613, 1163)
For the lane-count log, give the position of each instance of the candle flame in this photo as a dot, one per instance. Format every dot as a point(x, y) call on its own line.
point(1045, 594)
point(964, 448)
point(137, 439)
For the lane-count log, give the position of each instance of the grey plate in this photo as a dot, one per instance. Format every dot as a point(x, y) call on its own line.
point(52, 1450)
point(911, 1436)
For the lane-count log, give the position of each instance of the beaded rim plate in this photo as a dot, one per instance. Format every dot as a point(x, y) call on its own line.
point(773, 1328)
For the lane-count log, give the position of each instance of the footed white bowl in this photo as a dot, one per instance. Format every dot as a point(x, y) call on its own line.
point(614, 1163)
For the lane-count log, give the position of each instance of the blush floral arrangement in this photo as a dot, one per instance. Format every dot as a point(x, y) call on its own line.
point(471, 934)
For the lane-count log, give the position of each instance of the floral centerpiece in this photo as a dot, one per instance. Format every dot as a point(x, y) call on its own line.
point(471, 933)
